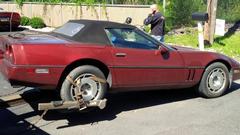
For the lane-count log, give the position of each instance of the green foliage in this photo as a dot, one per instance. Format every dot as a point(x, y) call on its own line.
point(179, 12)
point(25, 21)
point(228, 46)
point(229, 10)
point(147, 28)
point(37, 22)
point(135, 2)
point(19, 2)
point(188, 39)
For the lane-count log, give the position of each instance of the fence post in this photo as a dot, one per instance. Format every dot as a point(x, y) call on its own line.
point(61, 14)
point(99, 11)
point(8, 6)
point(200, 36)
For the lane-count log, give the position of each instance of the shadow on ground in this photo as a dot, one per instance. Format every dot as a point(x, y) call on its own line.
point(117, 103)
point(12, 124)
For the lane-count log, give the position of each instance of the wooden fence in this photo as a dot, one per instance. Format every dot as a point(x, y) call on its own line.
point(57, 14)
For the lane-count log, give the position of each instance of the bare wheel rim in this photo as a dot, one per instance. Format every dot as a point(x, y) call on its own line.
point(89, 88)
point(216, 80)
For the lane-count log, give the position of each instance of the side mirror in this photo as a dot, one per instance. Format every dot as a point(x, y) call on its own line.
point(163, 50)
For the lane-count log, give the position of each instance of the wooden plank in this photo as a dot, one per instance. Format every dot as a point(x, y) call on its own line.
point(11, 100)
point(54, 105)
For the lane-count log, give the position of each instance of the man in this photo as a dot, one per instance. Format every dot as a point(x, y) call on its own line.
point(157, 21)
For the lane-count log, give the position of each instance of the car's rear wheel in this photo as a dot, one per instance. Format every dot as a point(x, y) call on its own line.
point(82, 77)
point(215, 81)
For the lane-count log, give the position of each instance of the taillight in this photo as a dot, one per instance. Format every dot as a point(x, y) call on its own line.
point(9, 53)
point(1, 54)
point(16, 17)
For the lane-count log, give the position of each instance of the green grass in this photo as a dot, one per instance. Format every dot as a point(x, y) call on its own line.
point(228, 45)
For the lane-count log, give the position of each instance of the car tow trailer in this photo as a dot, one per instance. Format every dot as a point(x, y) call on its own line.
point(79, 104)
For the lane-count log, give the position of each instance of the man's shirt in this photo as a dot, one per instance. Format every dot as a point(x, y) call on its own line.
point(157, 24)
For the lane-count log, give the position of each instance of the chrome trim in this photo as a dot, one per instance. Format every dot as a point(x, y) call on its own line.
point(42, 71)
point(158, 67)
point(120, 54)
point(32, 66)
point(236, 71)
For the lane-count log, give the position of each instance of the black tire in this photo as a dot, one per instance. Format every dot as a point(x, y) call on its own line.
point(66, 92)
point(215, 81)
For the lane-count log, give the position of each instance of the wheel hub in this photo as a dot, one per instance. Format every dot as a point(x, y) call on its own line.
point(88, 88)
point(216, 80)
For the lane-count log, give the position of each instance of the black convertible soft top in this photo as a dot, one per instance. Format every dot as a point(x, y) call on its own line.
point(94, 31)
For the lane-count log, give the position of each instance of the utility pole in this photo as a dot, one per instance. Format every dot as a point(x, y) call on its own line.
point(209, 28)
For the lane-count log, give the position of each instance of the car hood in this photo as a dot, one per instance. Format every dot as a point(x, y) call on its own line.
point(181, 48)
point(196, 57)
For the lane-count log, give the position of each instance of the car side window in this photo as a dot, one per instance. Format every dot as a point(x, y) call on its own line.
point(129, 38)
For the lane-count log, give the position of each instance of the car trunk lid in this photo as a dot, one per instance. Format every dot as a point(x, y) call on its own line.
point(39, 39)
point(9, 42)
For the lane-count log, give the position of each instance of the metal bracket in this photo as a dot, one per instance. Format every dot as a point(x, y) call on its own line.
point(79, 103)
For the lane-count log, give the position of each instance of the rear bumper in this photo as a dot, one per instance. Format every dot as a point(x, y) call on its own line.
point(25, 75)
point(14, 24)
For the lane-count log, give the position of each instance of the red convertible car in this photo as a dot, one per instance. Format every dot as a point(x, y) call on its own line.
point(9, 19)
point(102, 56)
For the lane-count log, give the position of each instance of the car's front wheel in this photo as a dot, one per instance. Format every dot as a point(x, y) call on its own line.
point(215, 81)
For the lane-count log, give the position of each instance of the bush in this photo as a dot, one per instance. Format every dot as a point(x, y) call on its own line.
point(37, 22)
point(25, 21)
point(179, 12)
point(229, 10)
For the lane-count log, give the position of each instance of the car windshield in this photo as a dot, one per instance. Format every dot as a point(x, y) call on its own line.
point(69, 29)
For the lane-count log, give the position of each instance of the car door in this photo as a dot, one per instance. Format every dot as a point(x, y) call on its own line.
point(138, 61)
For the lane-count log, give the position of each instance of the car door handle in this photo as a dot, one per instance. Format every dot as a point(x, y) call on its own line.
point(121, 54)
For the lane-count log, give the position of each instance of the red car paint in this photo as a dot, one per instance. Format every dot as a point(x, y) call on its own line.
point(138, 69)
